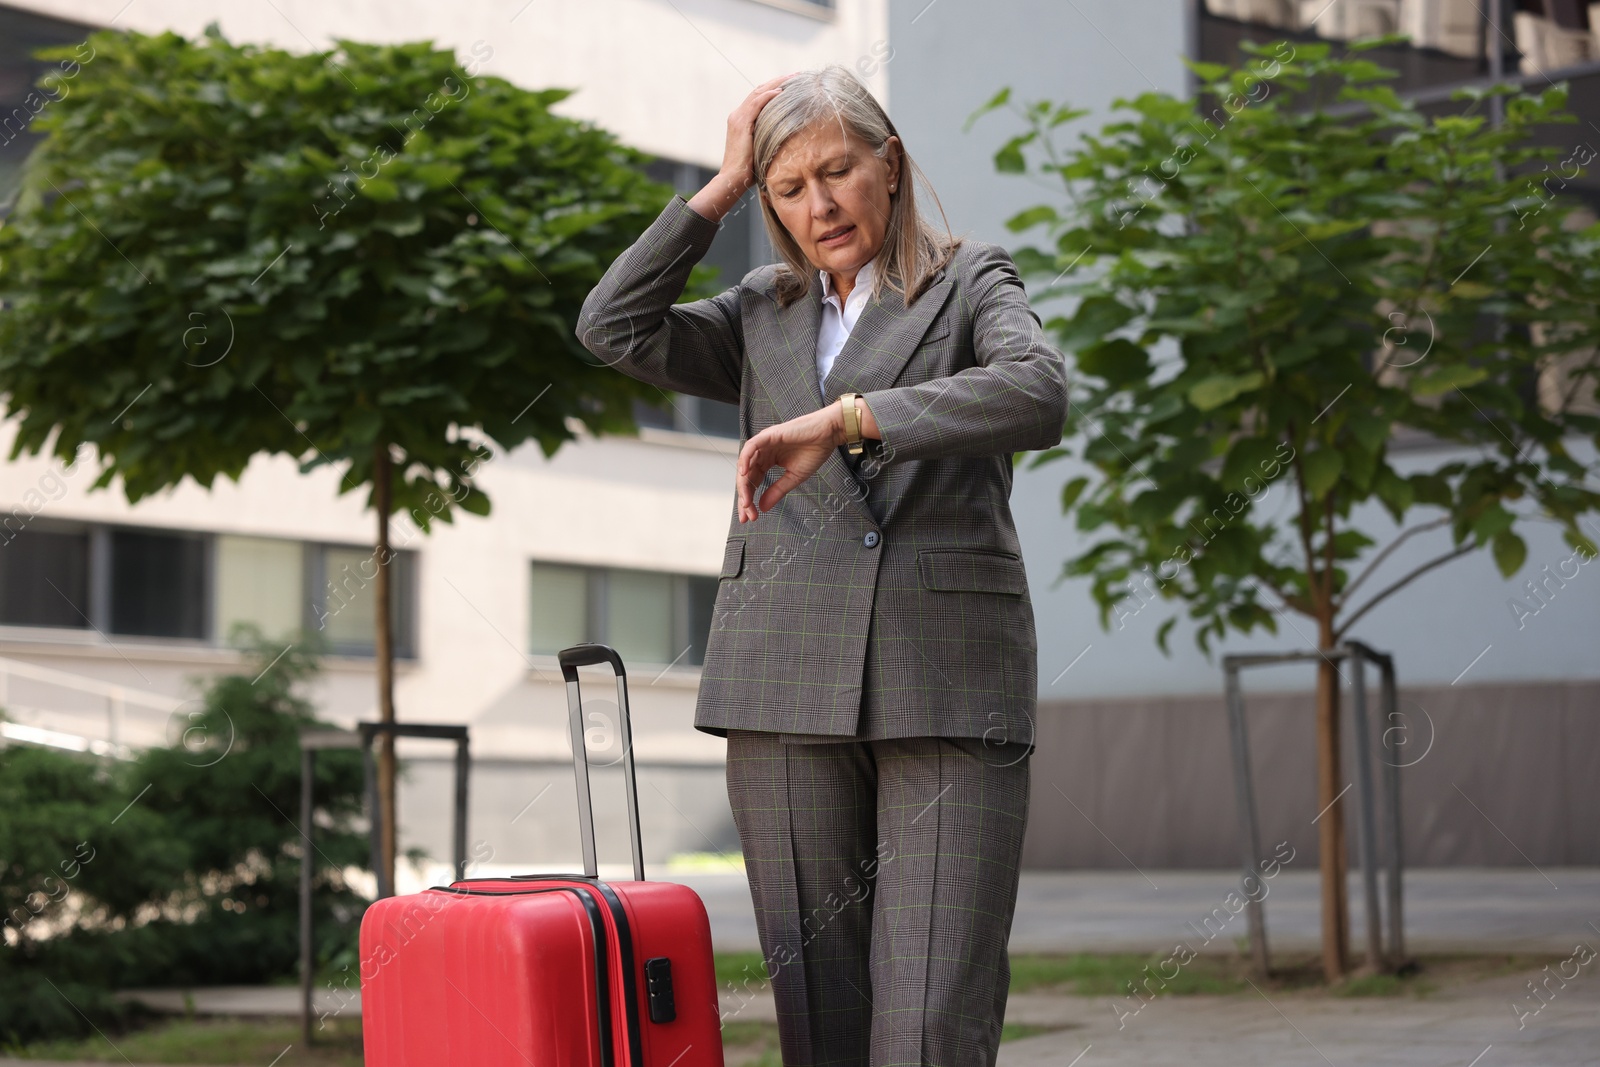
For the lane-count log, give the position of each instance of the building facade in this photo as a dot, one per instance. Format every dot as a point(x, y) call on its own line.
point(107, 612)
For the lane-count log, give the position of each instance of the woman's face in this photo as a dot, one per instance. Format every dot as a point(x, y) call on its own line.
point(832, 195)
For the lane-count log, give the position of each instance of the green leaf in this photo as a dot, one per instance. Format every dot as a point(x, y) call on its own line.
point(998, 100)
point(1371, 430)
point(1009, 159)
point(1156, 505)
point(1494, 521)
point(1217, 390)
point(1071, 491)
point(379, 189)
point(1394, 492)
point(1034, 216)
point(1096, 317)
point(1509, 553)
point(1233, 549)
point(1432, 489)
point(1250, 457)
point(1163, 631)
point(1321, 470)
point(1119, 361)
point(1208, 72)
point(1443, 380)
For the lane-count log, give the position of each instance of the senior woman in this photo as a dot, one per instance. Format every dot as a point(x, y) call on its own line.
point(872, 659)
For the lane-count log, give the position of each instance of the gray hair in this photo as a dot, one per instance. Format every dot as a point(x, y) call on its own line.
point(913, 250)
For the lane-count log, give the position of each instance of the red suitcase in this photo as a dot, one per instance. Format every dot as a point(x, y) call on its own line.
point(560, 970)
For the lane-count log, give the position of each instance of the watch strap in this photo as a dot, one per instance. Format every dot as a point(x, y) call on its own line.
point(852, 422)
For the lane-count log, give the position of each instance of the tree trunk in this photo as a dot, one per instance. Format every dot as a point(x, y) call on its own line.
point(1330, 824)
point(383, 652)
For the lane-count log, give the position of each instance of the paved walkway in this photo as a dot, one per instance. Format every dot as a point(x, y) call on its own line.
point(268, 1000)
point(1469, 1025)
point(1465, 909)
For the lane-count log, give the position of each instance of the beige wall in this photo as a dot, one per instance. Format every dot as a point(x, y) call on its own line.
point(662, 76)
point(661, 504)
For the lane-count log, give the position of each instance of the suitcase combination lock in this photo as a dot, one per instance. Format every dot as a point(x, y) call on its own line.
point(658, 983)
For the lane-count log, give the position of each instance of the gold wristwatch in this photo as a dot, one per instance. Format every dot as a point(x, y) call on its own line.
point(852, 422)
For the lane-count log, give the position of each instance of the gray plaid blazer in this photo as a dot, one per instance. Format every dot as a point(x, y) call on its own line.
point(885, 596)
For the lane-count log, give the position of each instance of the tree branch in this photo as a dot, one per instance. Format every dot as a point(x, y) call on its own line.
point(1369, 605)
point(1327, 555)
point(1381, 556)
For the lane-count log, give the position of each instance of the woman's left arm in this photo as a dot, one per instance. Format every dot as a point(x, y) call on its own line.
point(1014, 400)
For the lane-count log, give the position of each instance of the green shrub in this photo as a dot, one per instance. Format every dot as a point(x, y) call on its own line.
point(180, 867)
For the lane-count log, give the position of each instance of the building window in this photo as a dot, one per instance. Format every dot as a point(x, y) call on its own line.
point(260, 580)
point(195, 586)
point(647, 616)
point(560, 617)
point(1450, 40)
point(740, 245)
point(344, 604)
point(690, 414)
point(158, 584)
point(21, 102)
point(44, 579)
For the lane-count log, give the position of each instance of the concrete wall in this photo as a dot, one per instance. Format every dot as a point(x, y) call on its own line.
point(1492, 775)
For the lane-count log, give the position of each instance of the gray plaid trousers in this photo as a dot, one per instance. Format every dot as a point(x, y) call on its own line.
point(884, 877)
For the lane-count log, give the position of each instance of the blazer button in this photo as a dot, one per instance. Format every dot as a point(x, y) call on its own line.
point(871, 540)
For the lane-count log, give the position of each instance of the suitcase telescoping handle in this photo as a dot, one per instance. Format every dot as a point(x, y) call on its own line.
point(571, 659)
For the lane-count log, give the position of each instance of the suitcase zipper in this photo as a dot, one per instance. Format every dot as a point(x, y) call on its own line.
point(625, 950)
point(601, 962)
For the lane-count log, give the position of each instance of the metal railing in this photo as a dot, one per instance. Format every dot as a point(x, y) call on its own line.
point(41, 730)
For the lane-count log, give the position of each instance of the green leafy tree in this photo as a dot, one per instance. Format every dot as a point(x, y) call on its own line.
point(373, 257)
point(1271, 286)
point(180, 867)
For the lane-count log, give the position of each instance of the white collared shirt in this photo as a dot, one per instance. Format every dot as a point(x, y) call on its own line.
point(837, 320)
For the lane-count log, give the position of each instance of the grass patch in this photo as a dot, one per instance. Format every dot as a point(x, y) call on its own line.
point(744, 971)
point(1108, 975)
point(716, 862)
point(225, 1040)
point(1228, 975)
point(1214, 974)
point(751, 1044)
point(1018, 1031)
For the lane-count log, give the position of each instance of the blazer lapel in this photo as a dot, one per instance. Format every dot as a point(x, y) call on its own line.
point(790, 375)
point(880, 343)
point(883, 339)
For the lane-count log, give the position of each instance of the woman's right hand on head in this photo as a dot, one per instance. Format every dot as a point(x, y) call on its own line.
point(738, 173)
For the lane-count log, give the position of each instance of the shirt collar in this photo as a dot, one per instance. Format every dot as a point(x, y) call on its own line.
point(863, 278)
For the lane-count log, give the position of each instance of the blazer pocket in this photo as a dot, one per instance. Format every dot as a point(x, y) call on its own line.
point(972, 570)
point(733, 558)
point(940, 329)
